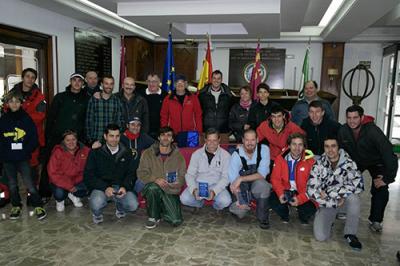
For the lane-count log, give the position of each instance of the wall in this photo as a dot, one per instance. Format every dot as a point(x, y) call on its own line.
point(220, 59)
point(353, 54)
point(23, 15)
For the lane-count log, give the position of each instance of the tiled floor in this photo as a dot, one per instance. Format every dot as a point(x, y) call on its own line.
point(205, 238)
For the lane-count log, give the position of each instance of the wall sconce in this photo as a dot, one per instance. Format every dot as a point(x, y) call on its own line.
point(332, 73)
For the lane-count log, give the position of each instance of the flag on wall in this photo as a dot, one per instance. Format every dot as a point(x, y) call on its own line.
point(304, 72)
point(168, 82)
point(256, 73)
point(122, 67)
point(206, 72)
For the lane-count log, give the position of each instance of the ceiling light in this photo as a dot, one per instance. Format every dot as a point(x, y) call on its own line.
point(330, 12)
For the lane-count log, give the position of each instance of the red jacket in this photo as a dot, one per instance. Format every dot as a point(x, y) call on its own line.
point(66, 169)
point(277, 141)
point(186, 117)
point(280, 176)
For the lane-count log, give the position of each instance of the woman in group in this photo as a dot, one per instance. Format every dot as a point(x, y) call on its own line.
point(65, 168)
point(181, 110)
point(239, 113)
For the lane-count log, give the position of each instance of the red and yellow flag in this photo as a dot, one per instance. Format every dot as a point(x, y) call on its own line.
point(206, 72)
point(256, 73)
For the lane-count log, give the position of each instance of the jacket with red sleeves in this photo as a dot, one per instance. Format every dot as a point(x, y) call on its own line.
point(66, 169)
point(186, 117)
point(276, 141)
point(280, 176)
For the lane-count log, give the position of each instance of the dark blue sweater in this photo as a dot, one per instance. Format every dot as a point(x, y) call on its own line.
point(18, 128)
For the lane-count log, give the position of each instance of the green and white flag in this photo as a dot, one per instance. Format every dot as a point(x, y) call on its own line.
point(304, 72)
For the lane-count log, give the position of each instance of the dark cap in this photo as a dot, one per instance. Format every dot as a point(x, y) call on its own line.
point(180, 77)
point(76, 75)
point(135, 119)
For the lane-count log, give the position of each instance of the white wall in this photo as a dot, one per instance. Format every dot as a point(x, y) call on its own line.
point(353, 54)
point(220, 59)
point(26, 16)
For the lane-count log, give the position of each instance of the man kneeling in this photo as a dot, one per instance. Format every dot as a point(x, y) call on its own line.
point(335, 182)
point(110, 175)
point(207, 175)
point(289, 181)
point(248, 169)
point(162, 169)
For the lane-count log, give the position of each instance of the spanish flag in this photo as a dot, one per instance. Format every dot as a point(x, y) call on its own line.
point(207, 70)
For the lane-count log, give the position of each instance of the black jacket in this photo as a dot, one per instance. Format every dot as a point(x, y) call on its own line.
point(371, 150)
point(135, 107)
point(258, 113)
point(67, 112)
point(215, 115)
point(316, 134)
point(17, 129)
point(105, 170)
point(237, 119)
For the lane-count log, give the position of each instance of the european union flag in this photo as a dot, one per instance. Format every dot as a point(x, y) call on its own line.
point(168, 82)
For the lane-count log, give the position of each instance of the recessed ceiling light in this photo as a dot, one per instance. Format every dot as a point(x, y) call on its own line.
point(330, 12)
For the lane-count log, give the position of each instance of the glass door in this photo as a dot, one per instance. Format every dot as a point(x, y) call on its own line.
point(383, 117)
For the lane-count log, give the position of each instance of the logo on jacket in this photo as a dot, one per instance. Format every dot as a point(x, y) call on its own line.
point(302, 169)
point(17, 134)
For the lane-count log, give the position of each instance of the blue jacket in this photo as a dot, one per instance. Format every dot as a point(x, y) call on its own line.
point(300, 111)
point(18, 137)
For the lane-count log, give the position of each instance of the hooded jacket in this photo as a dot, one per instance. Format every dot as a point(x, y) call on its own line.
point(277, 141)
point(152, 167)
point(216, 115)
point(280, 175)
point(337, 183)
point(372, 148)
point(182, 117)
point(135, 107)
point(65, 169)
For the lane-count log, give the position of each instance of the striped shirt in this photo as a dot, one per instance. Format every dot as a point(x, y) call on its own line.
point(100, 113)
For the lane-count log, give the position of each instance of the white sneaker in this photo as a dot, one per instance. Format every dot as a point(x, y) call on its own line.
point(60, 206)
point(75, 200)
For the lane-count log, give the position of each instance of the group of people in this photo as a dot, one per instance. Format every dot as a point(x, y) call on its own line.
point(116, 146)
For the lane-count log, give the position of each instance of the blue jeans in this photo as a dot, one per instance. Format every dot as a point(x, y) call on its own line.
point(221, 201)
point(139, 185)
point(61, 194)
point(98, 201)
point(11, 170)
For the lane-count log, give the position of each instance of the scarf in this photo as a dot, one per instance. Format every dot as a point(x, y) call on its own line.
point(245, 104)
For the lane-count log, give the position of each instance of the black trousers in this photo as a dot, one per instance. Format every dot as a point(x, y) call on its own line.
point(305, 211)
point(380, 196)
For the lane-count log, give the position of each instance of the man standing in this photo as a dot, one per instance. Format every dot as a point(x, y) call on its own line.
point(102, 112)
point(162, 169)
point(260, 111)
point(215, 101)
point(92, 83)
point(248, 169)
point(207, 175)
point(372, 151)
point(276, 130)
point(300, 108)
point(133, 104)
point(154, 97)
point(109, 175)
point(289, 181)
point(335, 182)
point(318, 126)
point(136, 141)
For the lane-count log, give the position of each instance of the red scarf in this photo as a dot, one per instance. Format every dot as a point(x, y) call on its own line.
point(130, 135)
point(245, 104)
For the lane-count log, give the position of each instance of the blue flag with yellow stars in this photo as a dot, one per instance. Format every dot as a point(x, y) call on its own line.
point(168, 82)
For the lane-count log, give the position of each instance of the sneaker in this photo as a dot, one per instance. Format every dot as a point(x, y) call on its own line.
point(60, 207)
point(353, 242)
point(98, 218)
point(40, 213)
point(264, 224)
point(120, 214)
point(341, 216)
point(151, 223)
point(375, 226)
point(75, 200)
point(398, 255)
point(15, 213)
point(285, 220)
